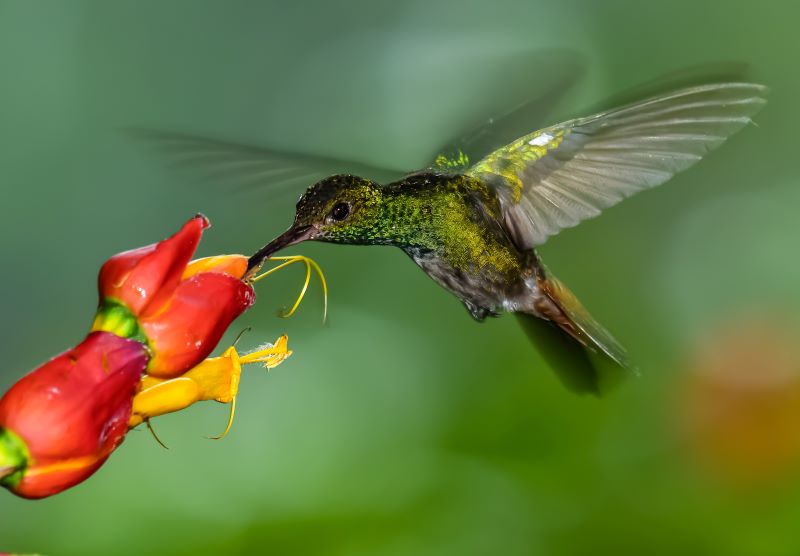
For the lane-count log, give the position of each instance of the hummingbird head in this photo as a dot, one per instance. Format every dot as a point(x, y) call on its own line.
point(338, 209)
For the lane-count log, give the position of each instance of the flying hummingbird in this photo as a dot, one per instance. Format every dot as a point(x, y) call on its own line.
point(473, 226)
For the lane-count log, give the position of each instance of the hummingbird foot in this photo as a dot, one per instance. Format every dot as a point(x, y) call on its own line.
point(479, 313)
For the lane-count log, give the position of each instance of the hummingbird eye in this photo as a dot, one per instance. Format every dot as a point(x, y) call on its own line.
point(340, 211)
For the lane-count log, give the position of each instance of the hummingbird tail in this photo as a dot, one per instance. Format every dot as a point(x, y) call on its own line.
point(584, 355)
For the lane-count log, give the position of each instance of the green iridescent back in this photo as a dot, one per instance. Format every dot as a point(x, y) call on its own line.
point(454, 216)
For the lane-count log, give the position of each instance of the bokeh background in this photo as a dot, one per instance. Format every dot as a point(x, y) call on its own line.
point(403, 427)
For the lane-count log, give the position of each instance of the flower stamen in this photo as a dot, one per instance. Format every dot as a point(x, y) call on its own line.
point(270, 355)
point(230, 421)
point(309, 264)
point(153, 432)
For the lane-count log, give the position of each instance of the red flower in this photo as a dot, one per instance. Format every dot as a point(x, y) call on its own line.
point(60, 423)
point(180, 310)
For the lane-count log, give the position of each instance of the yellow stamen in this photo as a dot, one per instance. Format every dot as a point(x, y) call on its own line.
point(230, 422)
point(309, 263)
point(271, 356)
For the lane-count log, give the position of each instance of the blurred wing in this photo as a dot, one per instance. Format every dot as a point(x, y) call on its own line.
point(555, 72)
point(239, 166)
point(561, 175)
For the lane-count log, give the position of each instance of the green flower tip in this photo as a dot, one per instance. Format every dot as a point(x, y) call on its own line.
point(13, 458)
point(114, 317)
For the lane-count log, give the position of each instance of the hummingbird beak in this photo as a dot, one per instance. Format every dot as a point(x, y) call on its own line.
point(293, 235)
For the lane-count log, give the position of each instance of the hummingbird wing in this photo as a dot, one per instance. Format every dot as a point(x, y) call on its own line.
point(556, 177)
point(239, 166)
point(556, 71)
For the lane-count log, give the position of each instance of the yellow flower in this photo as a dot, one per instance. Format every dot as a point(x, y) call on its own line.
point(216, 378)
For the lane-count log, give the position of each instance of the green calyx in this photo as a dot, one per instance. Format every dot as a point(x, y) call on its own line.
point(112, 316)
point(14, 458)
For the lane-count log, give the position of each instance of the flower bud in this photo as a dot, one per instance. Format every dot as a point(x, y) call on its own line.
point(60, 423)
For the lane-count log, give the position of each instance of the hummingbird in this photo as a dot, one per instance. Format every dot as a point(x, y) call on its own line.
point(473, 225)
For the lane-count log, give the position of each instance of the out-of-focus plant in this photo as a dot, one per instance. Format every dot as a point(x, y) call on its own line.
point(739, 404)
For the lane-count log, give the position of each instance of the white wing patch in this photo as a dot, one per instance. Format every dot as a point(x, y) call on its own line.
point(541, 140)
point(559, 176)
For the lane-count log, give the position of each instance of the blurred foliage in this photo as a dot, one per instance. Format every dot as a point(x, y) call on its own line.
point(402, 427)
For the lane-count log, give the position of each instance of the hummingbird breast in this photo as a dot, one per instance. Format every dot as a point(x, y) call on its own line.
point(455, 234)
point(483, 290)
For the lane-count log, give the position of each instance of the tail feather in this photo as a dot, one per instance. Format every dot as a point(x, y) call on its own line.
point(585, 356)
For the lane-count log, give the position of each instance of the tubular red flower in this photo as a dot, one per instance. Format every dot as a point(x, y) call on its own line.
point(60, 423)
point(193, 322)
point(146, 276)
point(179, 309)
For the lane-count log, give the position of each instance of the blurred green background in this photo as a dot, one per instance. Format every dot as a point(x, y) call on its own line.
point(403, 427)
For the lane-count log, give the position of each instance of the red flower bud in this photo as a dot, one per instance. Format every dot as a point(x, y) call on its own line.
point(60, 423)
point(180, 310)
point(140, 277)
point(194, 320)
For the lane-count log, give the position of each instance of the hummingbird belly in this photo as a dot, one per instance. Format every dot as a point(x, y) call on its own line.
point(485, 291)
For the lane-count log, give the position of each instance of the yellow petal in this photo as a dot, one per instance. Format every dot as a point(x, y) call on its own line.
point(216, 378)
point(232, 265)
point(166, 397)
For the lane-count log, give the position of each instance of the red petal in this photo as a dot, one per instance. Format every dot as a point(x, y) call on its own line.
point(190, 327)
point(76, 405)
point(144, 278)
point(35, 486)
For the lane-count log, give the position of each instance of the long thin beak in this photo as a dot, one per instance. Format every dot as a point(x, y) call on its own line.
point(290, 237)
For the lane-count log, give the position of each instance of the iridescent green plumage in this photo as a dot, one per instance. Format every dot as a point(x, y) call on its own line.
point(474, 229)
point(450, 215)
